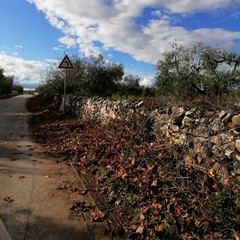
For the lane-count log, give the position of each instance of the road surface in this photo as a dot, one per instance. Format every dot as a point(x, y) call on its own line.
point(30, 205)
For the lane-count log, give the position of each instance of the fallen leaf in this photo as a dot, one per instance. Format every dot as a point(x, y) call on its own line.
point(140, 229)
point(97, 216)
point(20, 177)
point(80, 207)
point(159, 228)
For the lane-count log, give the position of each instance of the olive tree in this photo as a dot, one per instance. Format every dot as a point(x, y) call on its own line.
point(198, 70)
point(130, 85)
point(101, 77)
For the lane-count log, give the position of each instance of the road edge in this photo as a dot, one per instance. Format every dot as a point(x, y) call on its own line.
point(4, 235)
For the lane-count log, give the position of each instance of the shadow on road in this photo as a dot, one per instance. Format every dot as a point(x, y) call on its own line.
point(39, 228)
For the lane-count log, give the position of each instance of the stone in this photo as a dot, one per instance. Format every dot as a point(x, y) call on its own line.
point(187, 122)
point(235, 123)
point(190, 112)
point(138, 105)
point(205, 135)
point(222, 114)
point(237, 145)
point(236, 166)
point(238, 157)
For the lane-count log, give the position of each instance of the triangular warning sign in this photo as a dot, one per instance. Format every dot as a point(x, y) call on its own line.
point(66, 63)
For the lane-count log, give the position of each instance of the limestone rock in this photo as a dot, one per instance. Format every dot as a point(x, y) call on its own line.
point(237, 145)
point(204, 135)
point(235, 123)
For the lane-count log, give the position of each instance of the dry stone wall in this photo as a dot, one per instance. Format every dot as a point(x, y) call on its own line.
point(204, 135)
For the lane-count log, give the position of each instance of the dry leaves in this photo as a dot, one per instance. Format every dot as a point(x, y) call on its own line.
point(97, 216)
point(81, 207)
point(144, 179)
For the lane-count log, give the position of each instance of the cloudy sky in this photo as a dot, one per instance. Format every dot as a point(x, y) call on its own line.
point(132, 32)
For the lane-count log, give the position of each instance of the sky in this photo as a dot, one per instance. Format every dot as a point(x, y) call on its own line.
point(135, 33)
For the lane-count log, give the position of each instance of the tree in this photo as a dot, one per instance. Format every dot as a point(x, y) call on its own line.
point(19, 89)
point(101, 76)
point(149, 91)
point(130, 85)
point(6, 83)
point(198, 70)
point(223, 70)
point(92, 76)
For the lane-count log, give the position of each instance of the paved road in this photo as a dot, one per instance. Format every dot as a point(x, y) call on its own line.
point(30, 205)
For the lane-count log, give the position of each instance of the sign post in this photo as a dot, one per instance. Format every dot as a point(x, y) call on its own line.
point(66, 64)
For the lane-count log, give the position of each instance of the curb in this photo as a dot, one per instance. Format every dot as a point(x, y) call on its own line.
point(3, 232)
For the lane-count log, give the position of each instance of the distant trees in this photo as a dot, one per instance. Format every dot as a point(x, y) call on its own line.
point(198, 70)
point(93, 76)
point(130, 85)
point(17, 88)
point(6, 83)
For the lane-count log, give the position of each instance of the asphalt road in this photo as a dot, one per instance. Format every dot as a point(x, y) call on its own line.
point(30, 205)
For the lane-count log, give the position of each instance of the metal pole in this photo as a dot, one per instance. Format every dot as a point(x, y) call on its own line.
point(65, 83)
point(65, 90)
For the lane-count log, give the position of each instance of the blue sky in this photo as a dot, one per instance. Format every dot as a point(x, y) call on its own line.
point(34, 33)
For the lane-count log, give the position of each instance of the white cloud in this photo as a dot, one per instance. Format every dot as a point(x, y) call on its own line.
point(18, 46)
point(68, 41)
point(177, 6)
point(56, 49)
point(113, 24)
point(15, 53)
point(147, 81)
point(26, 72)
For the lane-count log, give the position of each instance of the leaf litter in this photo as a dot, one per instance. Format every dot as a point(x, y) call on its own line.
point(142, 179)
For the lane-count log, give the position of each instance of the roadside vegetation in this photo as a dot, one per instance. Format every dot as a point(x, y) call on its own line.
point(7, 88)
point(182, 74)
point(93, 77)
point(136, 176)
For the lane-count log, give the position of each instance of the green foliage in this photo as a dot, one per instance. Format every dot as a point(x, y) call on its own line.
point(90, 76)
point(18, 89)
point(93, 76)
point(198, 70)
point(6, 83)
point(149, 92)
point(101, 171)
point(101, 77)
point(130, 86)
point(224, 205)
